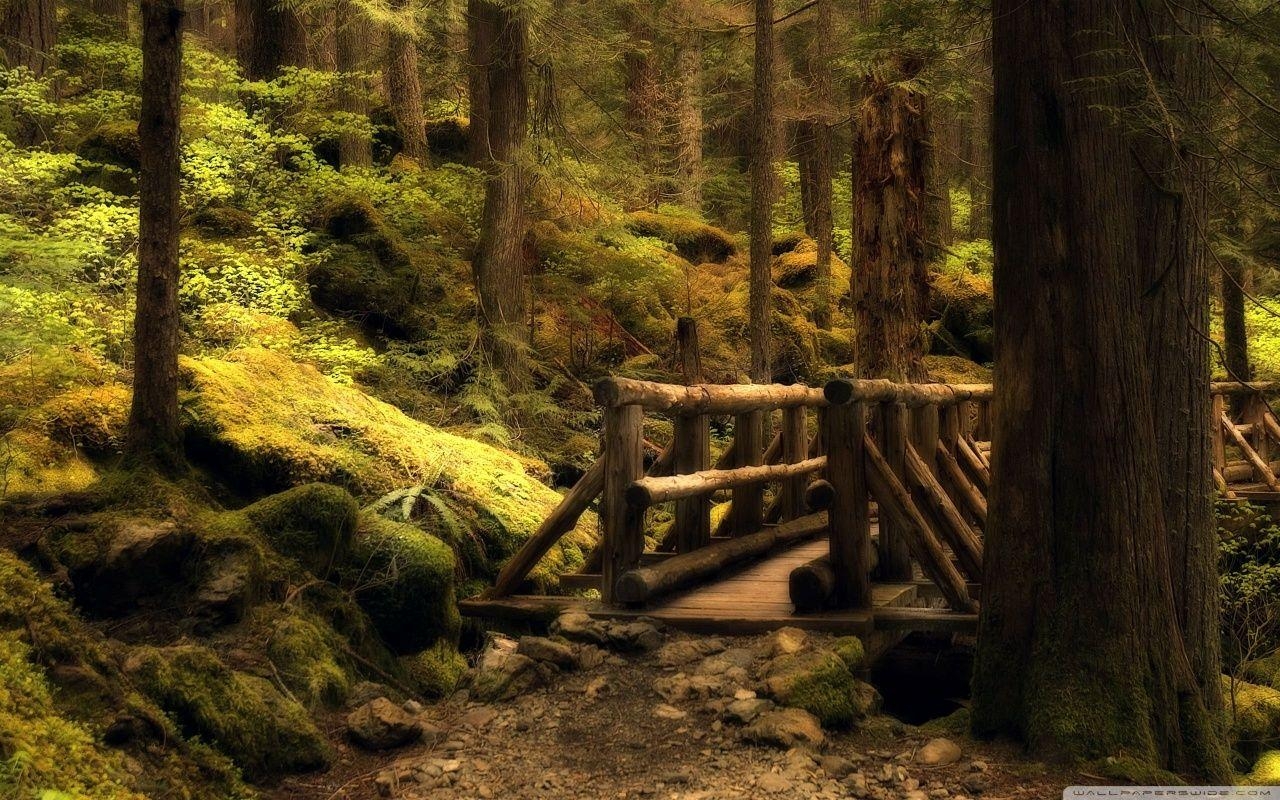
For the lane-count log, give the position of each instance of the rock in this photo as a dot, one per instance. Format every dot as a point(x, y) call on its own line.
point(938, 753)
point(382, 725)
point(477, 718)
point(539, 648)
point(578, 626)
point(590, 656)
point(856, 783)
point(664, 711)
point(229, 589)
point(685, 651)
point(125, 561)
point(773, 783)
point(785, 728)
point(819, 682)
point(365, 691)
point(835, 766)
point(638, 636)
point(742, 712)
point(783, 641)
point(598, 686)
point(502, 674)
point(851, 652)
point(412, 707)
point(977, 783)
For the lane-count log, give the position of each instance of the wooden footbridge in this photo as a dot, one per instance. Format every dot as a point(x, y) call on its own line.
point(864, 512)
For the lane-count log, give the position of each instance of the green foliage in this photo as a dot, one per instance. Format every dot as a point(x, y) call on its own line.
point(1249, 544)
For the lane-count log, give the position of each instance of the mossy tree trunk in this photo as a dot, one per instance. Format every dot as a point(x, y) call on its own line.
point(28, 33)
point(890, 281)
point(499, 260)
point(645, 105)
point(479, 56)
point(154, 435)
point(403, 83)
point(1080, 652)
point(763, 123)
point(688, 155)
point(269, 36)
point(1170, 207)
point(351, 37)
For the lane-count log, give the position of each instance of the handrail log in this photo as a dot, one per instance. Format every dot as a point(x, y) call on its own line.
point(650, 491)
point(1234, 388)
point(914, 395)
point(644, 583)
point(704, 398)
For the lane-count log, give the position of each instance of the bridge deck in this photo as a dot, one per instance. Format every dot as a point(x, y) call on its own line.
point(751, 599)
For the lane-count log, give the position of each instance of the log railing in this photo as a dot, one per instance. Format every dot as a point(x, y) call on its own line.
point(1245, 434)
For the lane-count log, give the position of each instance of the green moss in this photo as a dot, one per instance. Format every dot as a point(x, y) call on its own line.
point(404, 579)
point(818, 682)
point(310, 660)
point(1264, 671)
point(114, 142)
point(448, 138)
point(265, 422)
point(954, 724)
point(1254, 715)
point(963, 304)
point(242, 715)
point(955, 369)
point(1267, 771)
point(851, 652)
point(1132, 771)
point(313, 523)
point(436, 671)
point(695, 241)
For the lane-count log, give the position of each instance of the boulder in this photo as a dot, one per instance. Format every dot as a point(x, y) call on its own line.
point(851, 652)
point(743, 711)
point(382, 725)
point(684, 651)
point(819, 682)
point(938, 753)
point(785, 728)
point(539, 648)
point(313, 524)
point(229, 587)
point(695, 241)
point(502, 673)
point(784, 641)
point(122, 562)
point(1255, 726)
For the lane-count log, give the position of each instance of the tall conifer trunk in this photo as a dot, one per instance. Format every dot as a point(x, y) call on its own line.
point(268, 36)
point(763, 122)
point(154, 436)
point(28, 33)
point(1080, 650)
point(351, 36)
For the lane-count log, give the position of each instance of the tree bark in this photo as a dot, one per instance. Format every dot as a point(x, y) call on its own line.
point(114, 11)
point(890, 280)
point(689, 173)
point(28, 32)
point(1234, 334)
point(479, 55)
point(816, 162)
point(351, 40)
point(154, 434)
point(499, 261)
point(268, 36)
point(1079, 650)
point(763, 121)
point(404, 86)
point(1170, 206)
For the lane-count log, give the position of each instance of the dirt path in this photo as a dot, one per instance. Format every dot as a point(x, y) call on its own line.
point(606, 731)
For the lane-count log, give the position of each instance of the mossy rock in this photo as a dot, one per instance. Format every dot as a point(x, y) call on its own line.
point(224, 222)
point(851, 652)
point(1266, 772)
point(1264, 671)
point(819, 682)
point(242, 715)
point(964, 305)
point(1254, 715)
point(448, 138)
point(404, 580)
point(1130, 770)
point(310, 659)
point(436, 671)
point(263, 423)
point(955, 369)
point(697, 242)
point(954, 724)
point(372, 274)
point(313, 524)
point(114, 143)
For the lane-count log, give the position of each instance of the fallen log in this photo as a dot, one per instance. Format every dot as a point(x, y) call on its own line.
point(644, 583)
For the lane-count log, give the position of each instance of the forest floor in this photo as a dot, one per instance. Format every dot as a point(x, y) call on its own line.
point(621, 729)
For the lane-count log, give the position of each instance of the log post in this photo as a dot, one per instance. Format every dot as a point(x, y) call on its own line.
point(747, 512)
point(623, 523)
point(965, 411)
point(692, 442)
point(925, 429)
point(982, 430)
point(850, 542)
point(895, 557)
point(949, 426)
point(795, 446)
point(946, 517)
point(1219, 407)
point(1257, 416)
point(688, 351)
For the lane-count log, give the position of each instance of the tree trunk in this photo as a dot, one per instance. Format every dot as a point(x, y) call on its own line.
point(689, 174)
point(1170, 207)
point(351, 40)
point(1079, 650)
point(479, 56)
point(154, 435)
point(499, 261)
point(941, 156)
point(404, 87)
point(978, 156)
point(644, 104)
point(1235, 336)
point(268, 36)
point(890, 281)
point(762, 194)
point(820, 160)
point(29, 31)
point(114, 11)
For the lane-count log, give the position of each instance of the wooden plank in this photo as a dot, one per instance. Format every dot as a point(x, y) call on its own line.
point(795, 447)
point(623, 522)
point(557, 524)
point(925, 619)
point(894, 555)
point(850, 540)
point(978, 470)
point(746, 514)
point(692, 442)
point(1260, 467)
